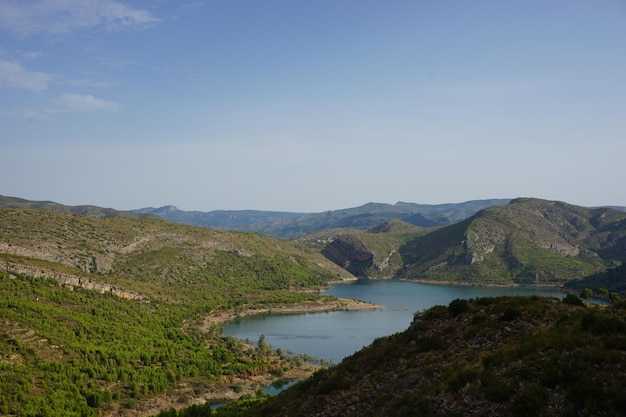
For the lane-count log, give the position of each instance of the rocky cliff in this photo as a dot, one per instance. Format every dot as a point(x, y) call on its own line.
point(350, 253)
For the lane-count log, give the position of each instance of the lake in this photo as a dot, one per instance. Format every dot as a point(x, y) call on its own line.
point(338, 334)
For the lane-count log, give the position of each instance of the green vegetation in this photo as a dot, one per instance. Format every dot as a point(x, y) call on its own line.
point(514, 356)
point(99, 314)
point(88, 351)
point(613, 280)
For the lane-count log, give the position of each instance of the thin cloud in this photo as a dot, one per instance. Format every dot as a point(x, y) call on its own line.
point(13, 75)
point(30, 55)
point(61, 17)
point(65, 103)
point(76, 103)
point(90, 83)
point(28, 114)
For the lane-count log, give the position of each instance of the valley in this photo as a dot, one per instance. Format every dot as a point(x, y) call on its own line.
point(107, 312)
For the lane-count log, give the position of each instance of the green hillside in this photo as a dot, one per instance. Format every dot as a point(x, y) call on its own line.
point(100, 316)
point(509, 356)
point(529, 241)
point(160, 259)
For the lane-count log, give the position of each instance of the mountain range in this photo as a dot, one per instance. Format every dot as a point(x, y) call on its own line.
point(288, 225)
point(522, 241)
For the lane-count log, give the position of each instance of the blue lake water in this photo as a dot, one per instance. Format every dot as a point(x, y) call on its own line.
point(335, 335)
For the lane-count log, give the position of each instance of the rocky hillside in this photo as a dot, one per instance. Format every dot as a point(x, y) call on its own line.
point(154, 257)
point(528, 241)
point(520, 356)
point(372, 253)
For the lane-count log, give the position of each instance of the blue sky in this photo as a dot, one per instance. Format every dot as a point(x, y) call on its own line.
point(312, 105)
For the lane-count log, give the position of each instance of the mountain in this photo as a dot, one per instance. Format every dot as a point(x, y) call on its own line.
point(85, 210)
point(509, 356)
point(288, 225)
point(528, 241)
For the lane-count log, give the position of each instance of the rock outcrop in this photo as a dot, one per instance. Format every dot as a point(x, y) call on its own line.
point(70, 281)
point(350, 253)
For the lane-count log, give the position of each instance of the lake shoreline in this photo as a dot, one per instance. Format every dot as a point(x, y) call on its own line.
point(223, 390)
point(221, 317)
point(486, 285)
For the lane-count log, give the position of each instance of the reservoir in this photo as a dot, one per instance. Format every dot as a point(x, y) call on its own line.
point(338, 334)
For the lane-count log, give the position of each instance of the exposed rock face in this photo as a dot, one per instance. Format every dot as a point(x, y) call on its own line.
point(71, 281)
point(350, 253)
point(54, 253)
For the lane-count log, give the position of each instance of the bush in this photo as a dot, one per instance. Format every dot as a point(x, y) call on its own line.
point(532, 401)
point(434, 342)
point(457, 307)
point(571, 299)
point(510, 314)
point(462, 378)
point(435, 313)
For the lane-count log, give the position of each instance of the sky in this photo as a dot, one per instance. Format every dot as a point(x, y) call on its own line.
point(312, 105)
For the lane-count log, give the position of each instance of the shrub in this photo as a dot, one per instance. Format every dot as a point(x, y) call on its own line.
point(457, 307)
point(479, 317)
point(510, 314)
point(571, 299)
point(532, 401)
point(434, 342)
point(435, 313)
point(462, 378)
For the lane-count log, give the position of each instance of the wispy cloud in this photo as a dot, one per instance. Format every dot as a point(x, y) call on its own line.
point(13, 75)
point(65, 103)
point(76, 103)
point(28, 114)
point(30, 55)
point(61, 17)
point(89, 83)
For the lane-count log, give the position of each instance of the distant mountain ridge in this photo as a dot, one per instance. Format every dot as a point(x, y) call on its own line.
point(85, 210)
point(289, 225)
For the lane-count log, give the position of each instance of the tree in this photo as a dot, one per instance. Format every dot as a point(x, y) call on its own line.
point(586, 294)
point(615, 298)
point(262, 344)
point(572, 300)
point(603, 293)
